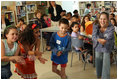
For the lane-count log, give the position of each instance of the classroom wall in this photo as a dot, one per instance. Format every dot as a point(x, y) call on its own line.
point(7, 3)
point(10, 5)
point(70, 6)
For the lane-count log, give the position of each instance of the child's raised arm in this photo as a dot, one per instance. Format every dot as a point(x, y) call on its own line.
point(37, 48)
point(38, 53)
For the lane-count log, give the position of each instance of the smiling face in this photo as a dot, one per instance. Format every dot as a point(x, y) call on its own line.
point(24, 26)
point(63, 28)
point(45, 17)
point(112, 22)
point(86, 19)
point(112, 9)
point(12, 35)
point(38, 15)
point(75, 28)
point(74, 19)
point(98, 15)
point(103, 20)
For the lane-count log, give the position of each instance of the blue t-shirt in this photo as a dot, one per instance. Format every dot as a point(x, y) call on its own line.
point(63, 44)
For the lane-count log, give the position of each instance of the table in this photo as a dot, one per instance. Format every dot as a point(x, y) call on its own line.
point(49, 29)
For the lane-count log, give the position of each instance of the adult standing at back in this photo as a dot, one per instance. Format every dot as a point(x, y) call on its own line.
point(103, 42)
point(87, 9)
point(54, 12)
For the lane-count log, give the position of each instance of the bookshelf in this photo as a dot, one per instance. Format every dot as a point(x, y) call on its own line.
point(10, 16)
point(30, 12)
point(96, 6)
point(21, 13)
point(82, 6)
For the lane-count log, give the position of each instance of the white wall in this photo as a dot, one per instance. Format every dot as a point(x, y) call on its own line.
point(70, 6)
point(7, 3)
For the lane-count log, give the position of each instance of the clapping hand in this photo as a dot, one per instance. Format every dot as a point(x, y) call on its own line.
point(31, 57)
point(18, 59)
point(80, 37)
point(38, 53)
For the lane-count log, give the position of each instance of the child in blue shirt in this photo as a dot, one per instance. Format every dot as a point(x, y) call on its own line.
point(60, 43)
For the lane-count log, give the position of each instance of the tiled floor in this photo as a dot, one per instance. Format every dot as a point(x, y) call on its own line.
point(74, 72)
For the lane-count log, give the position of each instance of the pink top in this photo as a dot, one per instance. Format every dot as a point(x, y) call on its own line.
point(48, 22)
point(73, 34)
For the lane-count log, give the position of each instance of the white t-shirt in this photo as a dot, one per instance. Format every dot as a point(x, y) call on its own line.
point(55, 13)
point(86, 11)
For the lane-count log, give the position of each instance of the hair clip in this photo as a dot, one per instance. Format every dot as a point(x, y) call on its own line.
point(33, 26)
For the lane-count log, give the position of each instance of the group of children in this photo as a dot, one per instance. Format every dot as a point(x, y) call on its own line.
point(21, 53)
point(23, 48)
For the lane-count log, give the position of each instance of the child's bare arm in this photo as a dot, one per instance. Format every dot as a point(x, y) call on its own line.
point(14, 58)
point(38, 54)
point(80, 37)
point(37, 48)
point(42, 60)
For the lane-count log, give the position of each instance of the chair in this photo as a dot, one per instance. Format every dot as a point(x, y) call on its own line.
point(79, 53)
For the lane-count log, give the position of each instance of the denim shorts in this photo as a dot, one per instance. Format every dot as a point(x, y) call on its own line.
point(6, 71)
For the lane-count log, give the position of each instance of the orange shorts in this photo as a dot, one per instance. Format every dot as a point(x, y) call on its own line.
point(62, 65)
